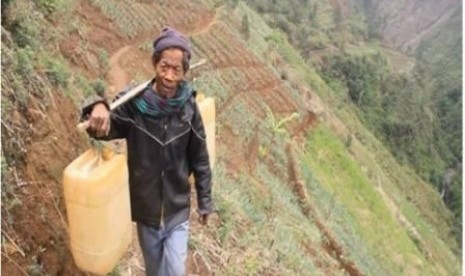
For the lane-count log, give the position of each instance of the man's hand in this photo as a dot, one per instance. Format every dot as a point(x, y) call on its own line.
point(99, 120)
point(203, 219)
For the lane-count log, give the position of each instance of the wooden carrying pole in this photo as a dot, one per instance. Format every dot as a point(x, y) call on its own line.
point(131, 94)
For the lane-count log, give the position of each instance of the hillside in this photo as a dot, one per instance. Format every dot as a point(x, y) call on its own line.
point(404, 25)
point(398, 66)
point(301, 186)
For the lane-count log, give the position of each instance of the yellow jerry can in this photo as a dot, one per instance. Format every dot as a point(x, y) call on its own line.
point(208, 113)
point(96, 193)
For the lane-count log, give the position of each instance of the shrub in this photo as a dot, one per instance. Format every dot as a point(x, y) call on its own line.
point(99, 87)
point(49, 7)
point(57, 73)
point(24, 22)
point(104, 59)
point(25, 34)
point(23, 62)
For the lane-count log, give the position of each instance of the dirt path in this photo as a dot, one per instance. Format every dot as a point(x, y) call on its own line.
point(117, 78)
point(204, 26)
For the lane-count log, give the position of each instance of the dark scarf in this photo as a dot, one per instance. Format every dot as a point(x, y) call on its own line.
point(152, 104)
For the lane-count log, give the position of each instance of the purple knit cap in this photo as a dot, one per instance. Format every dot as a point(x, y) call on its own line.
point(169, 37)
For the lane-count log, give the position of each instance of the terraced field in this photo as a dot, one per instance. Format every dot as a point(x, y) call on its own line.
point(282, 156)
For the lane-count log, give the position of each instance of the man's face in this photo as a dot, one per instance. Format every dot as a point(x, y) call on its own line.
point(169, 72)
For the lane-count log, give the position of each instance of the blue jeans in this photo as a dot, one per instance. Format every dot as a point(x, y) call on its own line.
point(164, 250)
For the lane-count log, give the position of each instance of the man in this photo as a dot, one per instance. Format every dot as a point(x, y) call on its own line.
point(165, 144)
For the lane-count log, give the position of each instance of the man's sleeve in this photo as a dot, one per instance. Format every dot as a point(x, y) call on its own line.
point(120, 117)
point(199, 163)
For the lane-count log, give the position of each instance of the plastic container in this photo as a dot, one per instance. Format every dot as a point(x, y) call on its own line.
point(96, 193)
point(208, 114)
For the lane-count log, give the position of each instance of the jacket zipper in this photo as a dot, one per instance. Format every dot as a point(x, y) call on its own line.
point(162, 181)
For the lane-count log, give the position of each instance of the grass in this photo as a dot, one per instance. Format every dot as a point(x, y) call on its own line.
point(424, 204)
point(255, 43)
point(104, 59)
point(57, 71)
point(254, 234)
point(424, 209)
point(327, 161)
point(30, 71)
point(299, 70)
point(400, 180)
point(49, 7)
point(243, 126)
point(415, 199)
point(251, 220)
point(211, 85)
point(357, 219)
point(115, 11)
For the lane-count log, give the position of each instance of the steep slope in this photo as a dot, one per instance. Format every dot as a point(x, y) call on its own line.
point(431, 32)
point(346, 42)
point(293, 195)
point(403, 25)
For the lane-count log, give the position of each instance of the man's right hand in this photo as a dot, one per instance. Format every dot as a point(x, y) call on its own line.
point(99, 120)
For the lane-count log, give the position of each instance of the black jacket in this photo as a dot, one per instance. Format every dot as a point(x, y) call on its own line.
point(162, 153)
